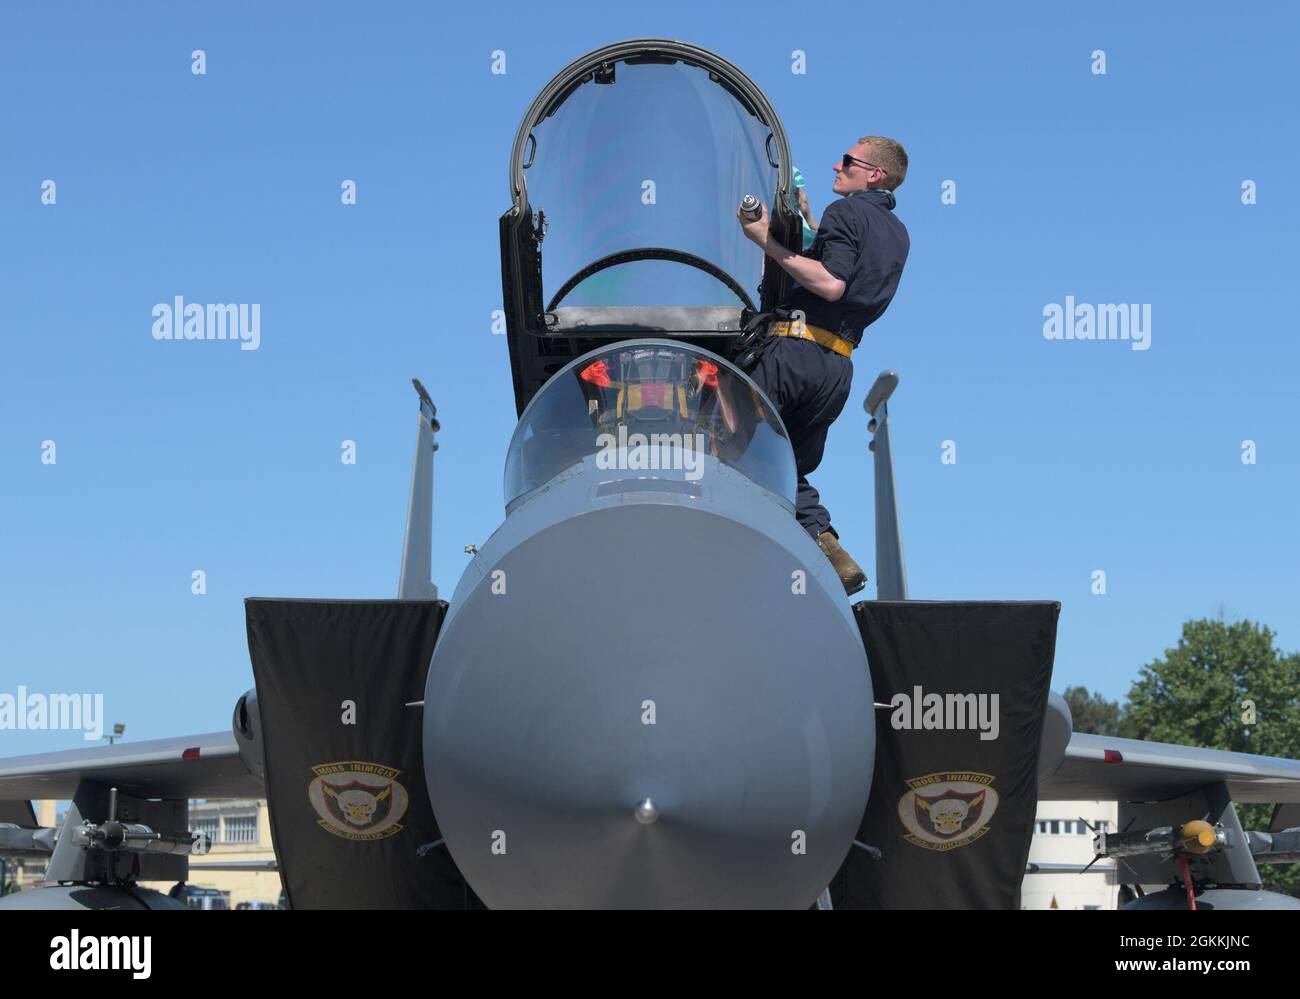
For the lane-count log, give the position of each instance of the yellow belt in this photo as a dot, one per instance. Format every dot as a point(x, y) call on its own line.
point(806, 332)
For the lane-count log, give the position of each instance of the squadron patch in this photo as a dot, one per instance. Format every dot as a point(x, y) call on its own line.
point(946, 810)
point(356, 800)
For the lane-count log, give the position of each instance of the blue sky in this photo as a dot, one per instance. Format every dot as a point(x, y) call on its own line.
point(1071, 456)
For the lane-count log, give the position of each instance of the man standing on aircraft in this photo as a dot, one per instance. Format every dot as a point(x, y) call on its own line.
point(844, 282)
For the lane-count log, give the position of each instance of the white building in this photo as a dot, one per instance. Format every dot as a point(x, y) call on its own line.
point(240, 832)
point(1061, 837)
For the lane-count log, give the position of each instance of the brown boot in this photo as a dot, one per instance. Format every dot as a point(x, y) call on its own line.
point(851, 574)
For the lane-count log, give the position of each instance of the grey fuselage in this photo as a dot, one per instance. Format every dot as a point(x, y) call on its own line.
point(649, 692)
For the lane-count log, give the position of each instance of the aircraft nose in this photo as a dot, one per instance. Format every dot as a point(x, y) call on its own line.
point(646, 811)
point(638, 717)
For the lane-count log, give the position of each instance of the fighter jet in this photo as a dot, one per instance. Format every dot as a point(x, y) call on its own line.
point(648, 688)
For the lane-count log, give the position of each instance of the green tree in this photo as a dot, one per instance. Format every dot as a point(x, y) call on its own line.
point(1224, 686)
point(1092, 713)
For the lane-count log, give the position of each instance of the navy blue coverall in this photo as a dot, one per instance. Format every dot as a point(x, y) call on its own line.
point(861, 242)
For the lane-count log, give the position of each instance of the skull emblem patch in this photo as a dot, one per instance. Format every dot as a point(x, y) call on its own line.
point(946, 810)
point(358, 800)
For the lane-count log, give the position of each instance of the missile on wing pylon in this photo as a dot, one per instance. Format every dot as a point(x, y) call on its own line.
point(1197, 837)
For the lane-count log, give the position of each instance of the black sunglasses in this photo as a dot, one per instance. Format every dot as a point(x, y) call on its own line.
point(848, 161)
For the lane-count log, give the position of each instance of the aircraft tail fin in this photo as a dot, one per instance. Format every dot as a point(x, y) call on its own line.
point(416, 580)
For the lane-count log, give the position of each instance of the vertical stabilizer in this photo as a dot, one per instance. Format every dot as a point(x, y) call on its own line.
point(416, 582)
point(891, 576)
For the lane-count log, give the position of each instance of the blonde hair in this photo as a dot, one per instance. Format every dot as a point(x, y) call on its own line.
point(890, 157)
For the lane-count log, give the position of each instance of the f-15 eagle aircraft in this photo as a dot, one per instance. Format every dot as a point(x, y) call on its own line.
point(618, 706)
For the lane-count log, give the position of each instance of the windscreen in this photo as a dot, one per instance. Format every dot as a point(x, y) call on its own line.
point(649, 409)
point(660, 157)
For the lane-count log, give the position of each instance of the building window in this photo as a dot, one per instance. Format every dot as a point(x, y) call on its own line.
point(208, 826)
point(241, 829)
point(1068, 827)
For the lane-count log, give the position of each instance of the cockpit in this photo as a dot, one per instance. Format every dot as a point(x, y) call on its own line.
point(625, 173)
point(649, 409)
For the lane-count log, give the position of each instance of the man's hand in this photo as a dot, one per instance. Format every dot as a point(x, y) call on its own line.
point(757, 230)
point(809, 273)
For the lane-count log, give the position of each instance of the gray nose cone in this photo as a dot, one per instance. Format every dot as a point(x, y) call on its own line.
point(730, 713)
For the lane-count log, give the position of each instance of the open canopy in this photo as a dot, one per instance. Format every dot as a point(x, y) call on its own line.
point(626, 172)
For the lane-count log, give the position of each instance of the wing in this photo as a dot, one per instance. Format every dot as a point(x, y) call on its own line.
point(201, 864)
point(1102, 768)
point(194, 766)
